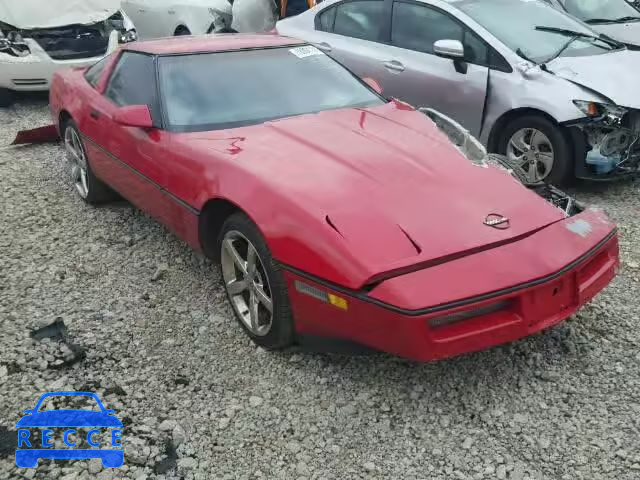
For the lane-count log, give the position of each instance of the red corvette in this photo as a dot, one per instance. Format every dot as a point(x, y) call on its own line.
point(333, 211)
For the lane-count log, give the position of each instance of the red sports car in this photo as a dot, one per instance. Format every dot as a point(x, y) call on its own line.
point(333, 211)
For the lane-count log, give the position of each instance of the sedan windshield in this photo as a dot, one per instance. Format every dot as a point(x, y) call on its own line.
point(602, 11)
point(533, 29)
point(211, 91)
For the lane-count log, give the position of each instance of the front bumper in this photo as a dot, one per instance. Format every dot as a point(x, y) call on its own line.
point(34, 72)
point(531, 297)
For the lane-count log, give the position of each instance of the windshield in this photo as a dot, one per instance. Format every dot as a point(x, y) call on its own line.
point(230, 89)
point(519, 33)
point(601, 10)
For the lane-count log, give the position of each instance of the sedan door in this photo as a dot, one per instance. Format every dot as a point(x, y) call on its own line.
point(415, 74)
point(352, 32)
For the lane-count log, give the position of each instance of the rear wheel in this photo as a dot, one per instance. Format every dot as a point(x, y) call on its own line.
point(6, 97)
point(537, 149)
point(255, 287)
point(86, 184)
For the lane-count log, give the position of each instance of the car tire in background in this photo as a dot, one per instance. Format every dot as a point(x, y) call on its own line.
point(533, 141)
point(181, 30)
point(249, 275)
point(86, 184)
point(6, 97)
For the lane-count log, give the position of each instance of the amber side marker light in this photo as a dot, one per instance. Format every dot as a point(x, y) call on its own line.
point(321, 295)
point(469, 314)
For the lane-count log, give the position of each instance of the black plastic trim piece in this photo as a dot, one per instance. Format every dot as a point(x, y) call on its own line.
point(362, 295)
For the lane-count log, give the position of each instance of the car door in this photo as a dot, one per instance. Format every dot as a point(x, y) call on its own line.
point(131, 156)
point(351, 32)
point(456, 88)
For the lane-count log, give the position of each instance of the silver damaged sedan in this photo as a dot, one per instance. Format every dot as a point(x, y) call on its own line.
point(527, 79)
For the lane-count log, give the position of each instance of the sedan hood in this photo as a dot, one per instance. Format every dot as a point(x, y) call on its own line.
point(32, 14)
point(390, 184)
point(628, 33)
point(613, 75)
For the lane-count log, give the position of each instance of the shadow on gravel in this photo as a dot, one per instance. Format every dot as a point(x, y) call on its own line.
point(8, 442)
point(57, 330)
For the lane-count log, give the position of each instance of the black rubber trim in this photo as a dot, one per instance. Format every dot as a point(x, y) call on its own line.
point(162, 190)
point(361, 295)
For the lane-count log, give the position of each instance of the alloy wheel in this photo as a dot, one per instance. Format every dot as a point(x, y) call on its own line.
point(246, 282)
point(77, 161)
point(530, 151)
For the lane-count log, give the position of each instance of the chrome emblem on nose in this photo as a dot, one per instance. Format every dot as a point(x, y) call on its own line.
point(496, 220)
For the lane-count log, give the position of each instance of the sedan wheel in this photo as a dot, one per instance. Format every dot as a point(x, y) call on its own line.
point(77, 161)
point(531, 152)
point(247, 283)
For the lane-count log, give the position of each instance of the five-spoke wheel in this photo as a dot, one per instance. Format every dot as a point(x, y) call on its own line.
point(255, 286)
point(246, 282)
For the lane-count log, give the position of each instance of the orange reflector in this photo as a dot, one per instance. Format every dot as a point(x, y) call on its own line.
point(592, 110)
point(339, 302)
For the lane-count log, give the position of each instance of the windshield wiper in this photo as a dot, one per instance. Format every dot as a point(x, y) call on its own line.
point(595, 21)
point(561, 50)
point(573, 33)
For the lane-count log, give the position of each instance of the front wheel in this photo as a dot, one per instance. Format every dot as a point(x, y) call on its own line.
point(255, 287)
point(537, 149)
point(86, 184)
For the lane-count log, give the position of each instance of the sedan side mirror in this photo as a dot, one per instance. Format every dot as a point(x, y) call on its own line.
point(452, 49)
point(373, 84)
point(134, 116)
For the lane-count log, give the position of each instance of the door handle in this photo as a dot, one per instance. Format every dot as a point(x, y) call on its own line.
point(95, 114)
point(171, 12)
point(394, 65)
point(141, 10)
point(324, 46)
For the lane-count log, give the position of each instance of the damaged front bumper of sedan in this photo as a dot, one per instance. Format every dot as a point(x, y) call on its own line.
point(608, 139)
point(30, 56)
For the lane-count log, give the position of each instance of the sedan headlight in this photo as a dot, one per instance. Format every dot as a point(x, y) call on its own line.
point(595, 109)
point(13, 44)
point(128, 36)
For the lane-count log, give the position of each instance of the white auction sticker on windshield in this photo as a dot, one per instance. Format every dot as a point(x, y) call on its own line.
point(306, 51)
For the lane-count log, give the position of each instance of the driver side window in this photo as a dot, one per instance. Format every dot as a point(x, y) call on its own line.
point(417, 27)
point(133, 82)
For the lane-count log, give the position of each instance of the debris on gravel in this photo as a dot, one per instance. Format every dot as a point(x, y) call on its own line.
point(138, 318)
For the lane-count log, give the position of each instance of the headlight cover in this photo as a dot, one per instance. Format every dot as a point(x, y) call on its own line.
point(596, 109)
point(128, 36)
point(13, 44)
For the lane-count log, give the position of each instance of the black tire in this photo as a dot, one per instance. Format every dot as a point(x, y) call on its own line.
point(562, 171)
point(281, 334)
point(6, 97)
point(181, 30)
point(98, 192)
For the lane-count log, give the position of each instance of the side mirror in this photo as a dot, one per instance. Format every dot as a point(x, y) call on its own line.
point(29, 410)
point(134, 116)
point(452, 49)
point(373, 84)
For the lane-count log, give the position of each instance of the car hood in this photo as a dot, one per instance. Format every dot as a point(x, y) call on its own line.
point(623, 32)
point(32, 14)
point(613, 75)
point(391, 185)
point(69, 418)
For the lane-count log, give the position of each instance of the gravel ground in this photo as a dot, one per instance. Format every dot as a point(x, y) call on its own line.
point(149, 330)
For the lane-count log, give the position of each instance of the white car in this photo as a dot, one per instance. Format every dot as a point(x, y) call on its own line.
point(168, 18)
point(39, 37)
